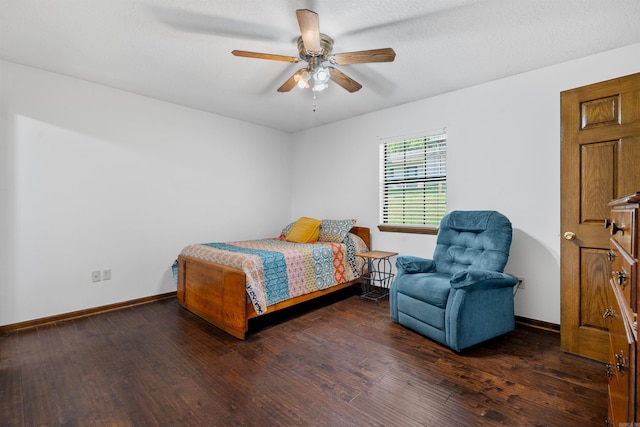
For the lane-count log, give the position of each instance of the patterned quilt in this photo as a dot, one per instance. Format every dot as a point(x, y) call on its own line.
point(277, 270)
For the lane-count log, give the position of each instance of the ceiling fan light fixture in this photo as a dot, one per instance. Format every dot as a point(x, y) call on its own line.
point(302, 79)
point(321, 75)
point(319, 87)
point(321, 79)
point(316, 49)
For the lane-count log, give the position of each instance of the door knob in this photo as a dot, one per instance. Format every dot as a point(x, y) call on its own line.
point(569, 235)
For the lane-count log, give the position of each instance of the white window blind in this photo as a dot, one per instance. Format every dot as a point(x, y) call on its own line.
point(413, 181)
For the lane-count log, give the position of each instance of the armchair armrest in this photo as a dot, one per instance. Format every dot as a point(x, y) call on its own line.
point(482, 279)
point(414, 264)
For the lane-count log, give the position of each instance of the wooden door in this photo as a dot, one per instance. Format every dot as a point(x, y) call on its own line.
point(600, 161)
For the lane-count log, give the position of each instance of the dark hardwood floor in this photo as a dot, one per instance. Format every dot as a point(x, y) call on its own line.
point(337, 362)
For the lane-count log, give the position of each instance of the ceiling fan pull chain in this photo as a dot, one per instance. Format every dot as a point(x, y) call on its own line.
point(314, 101)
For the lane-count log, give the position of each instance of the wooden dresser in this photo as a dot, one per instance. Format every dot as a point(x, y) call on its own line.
point(622, 312)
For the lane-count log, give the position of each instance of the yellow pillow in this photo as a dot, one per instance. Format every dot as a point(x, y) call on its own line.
point(305, 230)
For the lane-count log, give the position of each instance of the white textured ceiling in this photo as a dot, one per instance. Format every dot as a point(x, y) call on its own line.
point(180, 50)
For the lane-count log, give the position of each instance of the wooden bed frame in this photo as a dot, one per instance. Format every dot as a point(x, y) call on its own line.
point(217, 293)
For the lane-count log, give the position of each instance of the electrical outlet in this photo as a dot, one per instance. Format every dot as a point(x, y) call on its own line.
point(521, 281)
point(106, 274)
point(95, 276)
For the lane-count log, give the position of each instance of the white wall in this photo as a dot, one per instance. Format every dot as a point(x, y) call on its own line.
point(94, 178)
point(503, 154)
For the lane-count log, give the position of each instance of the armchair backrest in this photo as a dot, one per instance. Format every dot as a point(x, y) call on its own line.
point(473, 240)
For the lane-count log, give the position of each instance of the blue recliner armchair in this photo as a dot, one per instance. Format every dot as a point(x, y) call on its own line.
point(461, 297)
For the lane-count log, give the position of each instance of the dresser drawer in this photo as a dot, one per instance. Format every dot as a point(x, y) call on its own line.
point(623, 229)
point(620, 366)
point(624, 275)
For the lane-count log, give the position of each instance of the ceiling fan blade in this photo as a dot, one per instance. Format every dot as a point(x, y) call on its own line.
point(360, 57)
point(291, 83)
point(345, 81)
point(270, 56)
point(309, 29)
point(213, 24)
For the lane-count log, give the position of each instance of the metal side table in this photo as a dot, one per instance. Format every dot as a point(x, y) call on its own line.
point(377, 278)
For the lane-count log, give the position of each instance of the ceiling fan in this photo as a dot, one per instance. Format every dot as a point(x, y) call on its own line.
point(315, 48)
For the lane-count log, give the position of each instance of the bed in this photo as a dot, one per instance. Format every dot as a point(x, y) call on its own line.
point(216, 281)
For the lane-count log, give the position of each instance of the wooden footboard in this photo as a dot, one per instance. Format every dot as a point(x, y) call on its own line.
point(218, 294)
point(214, 292)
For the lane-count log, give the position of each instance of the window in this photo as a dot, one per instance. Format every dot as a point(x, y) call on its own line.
point(413, 183)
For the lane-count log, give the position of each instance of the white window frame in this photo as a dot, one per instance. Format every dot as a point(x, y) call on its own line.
point(413, 182)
